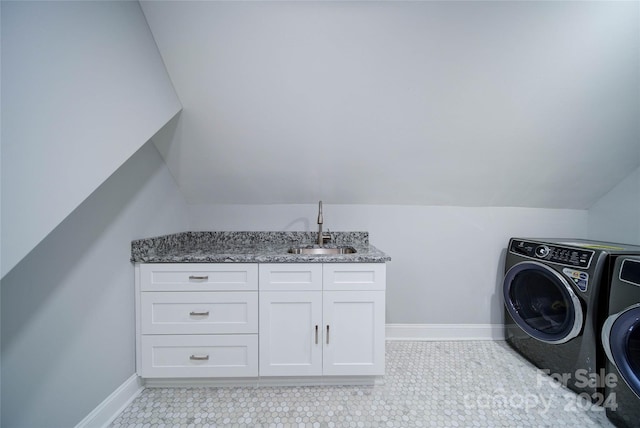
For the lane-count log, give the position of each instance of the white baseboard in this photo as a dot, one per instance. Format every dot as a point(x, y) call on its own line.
point(426, 332)
point(113, 405)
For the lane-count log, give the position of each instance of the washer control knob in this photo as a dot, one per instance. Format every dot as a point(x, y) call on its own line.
point(542, 251)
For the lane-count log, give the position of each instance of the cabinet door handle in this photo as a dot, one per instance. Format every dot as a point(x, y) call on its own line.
point(316, 334)
point(327, 334)
point(199, 314)
point(199, 357)
point(198, 278)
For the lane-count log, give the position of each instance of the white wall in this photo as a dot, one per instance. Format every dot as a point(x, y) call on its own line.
point(452, 103)
point(84, 87)
point(447, 261)
point(68, 307)
point(616, 216)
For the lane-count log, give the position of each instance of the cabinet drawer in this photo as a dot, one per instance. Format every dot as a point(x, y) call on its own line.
point(290, 276)
point(198, 276)
point(199, 312)
point(199, 356)
point(354, 276)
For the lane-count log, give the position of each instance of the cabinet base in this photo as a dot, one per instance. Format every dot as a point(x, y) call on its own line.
point(262, 381)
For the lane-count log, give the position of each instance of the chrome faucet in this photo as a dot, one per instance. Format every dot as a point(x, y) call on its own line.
point(321, 236)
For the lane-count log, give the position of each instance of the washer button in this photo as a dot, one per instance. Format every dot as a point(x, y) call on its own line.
point(542, 251)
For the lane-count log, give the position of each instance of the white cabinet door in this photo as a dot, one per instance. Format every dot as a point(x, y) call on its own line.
point(353, 332)
point(290, 333)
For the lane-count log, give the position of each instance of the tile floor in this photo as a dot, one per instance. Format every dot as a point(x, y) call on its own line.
point(428, 384)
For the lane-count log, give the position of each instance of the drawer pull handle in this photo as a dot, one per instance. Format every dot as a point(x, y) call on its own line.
point(316, 334)
point(327, 334)
point(198, 278)
point(199, 314)
point(199, 358)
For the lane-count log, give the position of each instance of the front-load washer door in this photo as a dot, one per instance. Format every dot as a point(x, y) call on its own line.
point(542, 303)
point(621, 341)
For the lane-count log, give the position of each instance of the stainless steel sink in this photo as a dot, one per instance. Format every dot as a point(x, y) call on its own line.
point(322, 250)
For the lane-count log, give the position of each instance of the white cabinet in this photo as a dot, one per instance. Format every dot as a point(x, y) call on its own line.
point(248, 320)
point(197, 320)
point(329, 323)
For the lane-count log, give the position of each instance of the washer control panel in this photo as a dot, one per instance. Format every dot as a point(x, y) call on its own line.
point(552, 253)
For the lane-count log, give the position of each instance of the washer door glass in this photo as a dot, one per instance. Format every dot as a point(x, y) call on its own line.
point(542, 302)
point(622, 334)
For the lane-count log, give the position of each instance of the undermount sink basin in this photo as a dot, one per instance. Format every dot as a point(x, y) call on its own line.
point(319, 250)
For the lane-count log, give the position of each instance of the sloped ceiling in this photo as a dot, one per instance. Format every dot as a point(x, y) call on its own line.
point(477, 103)
point(83, 88)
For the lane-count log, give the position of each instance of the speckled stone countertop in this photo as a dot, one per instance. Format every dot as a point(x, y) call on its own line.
point(251, 247)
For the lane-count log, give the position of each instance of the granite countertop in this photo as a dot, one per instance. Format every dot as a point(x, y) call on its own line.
point(251, 247)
